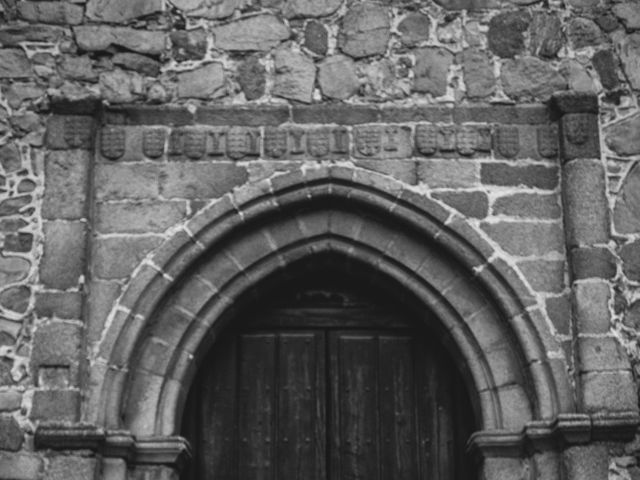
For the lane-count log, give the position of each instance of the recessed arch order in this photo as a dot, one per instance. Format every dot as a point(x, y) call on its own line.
point(178, 299)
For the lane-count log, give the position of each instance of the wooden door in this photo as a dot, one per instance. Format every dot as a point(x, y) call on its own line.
point(276, 401)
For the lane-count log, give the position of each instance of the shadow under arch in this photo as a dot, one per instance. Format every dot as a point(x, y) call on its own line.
point(169, 313)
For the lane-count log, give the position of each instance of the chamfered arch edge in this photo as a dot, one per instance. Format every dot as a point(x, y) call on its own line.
point(249, 204)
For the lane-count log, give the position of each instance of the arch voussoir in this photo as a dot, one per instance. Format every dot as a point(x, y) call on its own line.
point(371, 221)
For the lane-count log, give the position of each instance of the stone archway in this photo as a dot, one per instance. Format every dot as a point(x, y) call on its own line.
point(178, 301)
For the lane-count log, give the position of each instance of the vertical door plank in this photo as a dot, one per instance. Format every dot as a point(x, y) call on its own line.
point(444, 374)
point(256, 406)
point(397, 408)
point(427, 411)
point(217, 449)
point(356, 429)
point(301, 407)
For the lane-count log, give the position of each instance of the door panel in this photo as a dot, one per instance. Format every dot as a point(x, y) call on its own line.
point(301, 406)
point(256, 405)
point(353, 360)
point(327, 404)
point(397, 408)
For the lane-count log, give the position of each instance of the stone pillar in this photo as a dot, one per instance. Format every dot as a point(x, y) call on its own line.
point(56, 360)
point(603, 373)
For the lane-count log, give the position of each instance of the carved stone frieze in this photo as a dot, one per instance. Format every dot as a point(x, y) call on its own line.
point(324, 142)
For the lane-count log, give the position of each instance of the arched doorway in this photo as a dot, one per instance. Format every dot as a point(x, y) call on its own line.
point(325, 375)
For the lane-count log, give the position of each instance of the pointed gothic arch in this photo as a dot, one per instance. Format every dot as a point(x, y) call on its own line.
point(180, 298)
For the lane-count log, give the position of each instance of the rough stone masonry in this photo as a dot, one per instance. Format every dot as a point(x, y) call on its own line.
point(121, 120)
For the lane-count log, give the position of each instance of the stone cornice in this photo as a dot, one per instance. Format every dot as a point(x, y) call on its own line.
point(565, 430)
point(165, 450)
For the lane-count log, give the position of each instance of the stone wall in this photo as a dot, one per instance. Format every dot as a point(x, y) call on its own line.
point(299, 63)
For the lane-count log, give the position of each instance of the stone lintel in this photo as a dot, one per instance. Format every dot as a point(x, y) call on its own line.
point(574, 102)
point(161, 450)
point(270, 115)
point(563, 431)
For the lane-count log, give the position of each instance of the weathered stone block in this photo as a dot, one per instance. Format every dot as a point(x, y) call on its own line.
point(586, 462)
point(259, 33)
point(10, 400)
point(295, 75)
point(627, 209)
point(585, 202)
point(252, 78)
point(528, 205)
point(506, 33)
point(13, 269)
point(337, 77)
point(100, 37)
point(11, 435)
point(628, 13)
point(546, 34)
point(601, 354)
point(448, 173)
point(10, 158)
point(208, 9)
point(559, 312)
point(64, 254)
point(126, 181)
point(138, 63)
point(66, 305)
point(13, 35)
point(431, 70)
point(16, 299)
point(15, 205)
point(20, 466)
point(57, 344)
point(544, 275)
point(579, 136)
point(630, 256)
point(594, 262)
point(606, 66)
point(189, 44)
point(121, 11)
point(414, 28)
point(609, 391)
point(584, 32)
point(527, 78)
point(65, 191)
point(60, 13)
point(591, 307)
point(138, 217)
point(56, 405)
point(71, 468)
point(18, 242)
point(310, 8)
point(117, 257)
point(526, 238)
point(204, 180)
point(204, 82)
point(478, 73)
point(316, 38)
point(576, 75)
point(365, 31)
point(624, 137)
point(14, 64)
point(537, 176)
point(470, 204)
point(118, 86)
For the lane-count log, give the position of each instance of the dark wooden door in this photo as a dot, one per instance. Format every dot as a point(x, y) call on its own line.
point(275, 401)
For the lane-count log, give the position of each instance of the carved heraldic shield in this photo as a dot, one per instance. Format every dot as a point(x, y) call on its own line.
point(112, 142)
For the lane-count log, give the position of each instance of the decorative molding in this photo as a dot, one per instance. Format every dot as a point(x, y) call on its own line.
point(565, 430)
point(170, 450)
